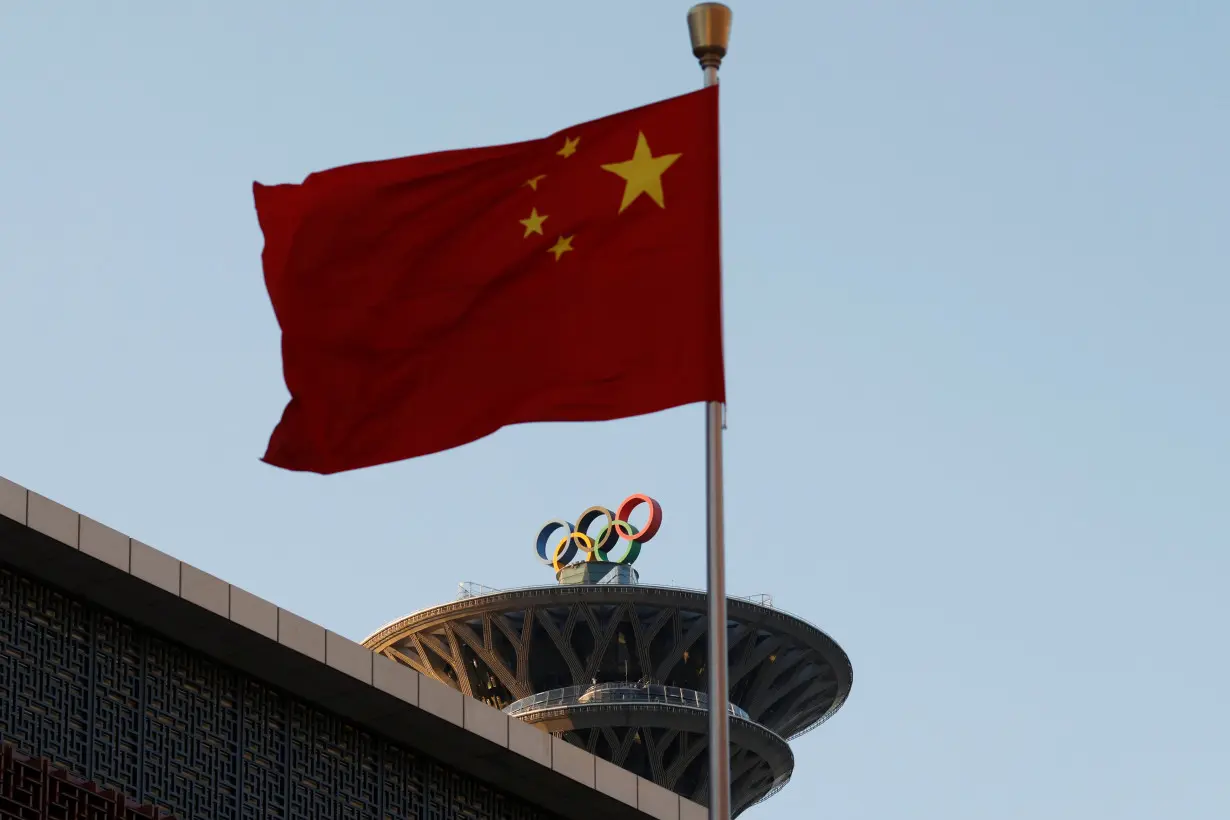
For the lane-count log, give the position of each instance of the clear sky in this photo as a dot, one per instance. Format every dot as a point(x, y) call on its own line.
point(977, 260)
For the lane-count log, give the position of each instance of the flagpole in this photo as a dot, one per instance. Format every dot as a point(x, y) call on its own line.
point(709, 28)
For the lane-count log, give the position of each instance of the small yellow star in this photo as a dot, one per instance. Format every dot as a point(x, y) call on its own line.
point(533, 222)
point(561, 247)
point(570, 146)
point(533, 182)
point(643, 173)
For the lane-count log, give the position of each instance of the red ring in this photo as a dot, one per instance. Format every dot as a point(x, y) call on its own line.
point(651, 526)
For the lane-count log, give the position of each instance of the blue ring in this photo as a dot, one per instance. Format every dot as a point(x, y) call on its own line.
point(544, 543)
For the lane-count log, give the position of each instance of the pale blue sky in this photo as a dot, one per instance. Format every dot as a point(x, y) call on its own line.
point(977, 296)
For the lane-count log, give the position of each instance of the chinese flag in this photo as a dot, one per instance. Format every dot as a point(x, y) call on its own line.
point(426, 302)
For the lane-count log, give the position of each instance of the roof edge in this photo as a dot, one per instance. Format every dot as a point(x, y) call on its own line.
point(93, 562)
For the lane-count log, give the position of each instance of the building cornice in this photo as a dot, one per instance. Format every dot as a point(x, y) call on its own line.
point(96, 563)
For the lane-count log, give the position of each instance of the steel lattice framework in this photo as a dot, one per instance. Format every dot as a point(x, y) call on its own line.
point(525, 650)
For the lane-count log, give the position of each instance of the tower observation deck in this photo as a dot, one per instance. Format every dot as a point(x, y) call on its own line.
point(618, 667)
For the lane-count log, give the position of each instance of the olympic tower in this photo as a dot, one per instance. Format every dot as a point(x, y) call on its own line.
point(617, 667)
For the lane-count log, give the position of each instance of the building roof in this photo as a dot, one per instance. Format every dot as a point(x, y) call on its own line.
point(132, 579)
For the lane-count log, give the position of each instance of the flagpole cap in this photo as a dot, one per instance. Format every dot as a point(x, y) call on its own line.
point(709, 27)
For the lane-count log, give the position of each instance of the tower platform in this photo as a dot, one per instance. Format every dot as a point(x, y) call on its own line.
point(619, 668)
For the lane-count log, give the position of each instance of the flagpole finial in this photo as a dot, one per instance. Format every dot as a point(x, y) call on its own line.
point(709, 27)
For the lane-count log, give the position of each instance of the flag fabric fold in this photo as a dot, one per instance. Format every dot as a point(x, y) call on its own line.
point(428, 301)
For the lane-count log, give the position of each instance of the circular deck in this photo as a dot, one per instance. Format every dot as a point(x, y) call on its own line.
point(513, 646)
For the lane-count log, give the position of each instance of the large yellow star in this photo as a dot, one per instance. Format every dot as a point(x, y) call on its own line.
point(561, 247)
point(643, 173)
point(570, 147)
point(533, 222)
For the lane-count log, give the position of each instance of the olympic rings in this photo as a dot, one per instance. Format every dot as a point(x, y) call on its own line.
point(615, 528)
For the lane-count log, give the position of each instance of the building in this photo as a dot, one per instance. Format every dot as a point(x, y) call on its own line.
point(133, 685)
point(618, 668)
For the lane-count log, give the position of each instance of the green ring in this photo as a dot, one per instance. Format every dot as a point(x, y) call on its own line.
point(634, 547)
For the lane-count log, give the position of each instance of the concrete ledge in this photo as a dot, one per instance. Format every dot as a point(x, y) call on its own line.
point(442, 701)
point(529, 741)
point(616, 781)
point(485, 721)
point(255, 613)
point(400, 681)
point(52, 519)
point(205, 590)
point(13, 501)
point(153, 567)
point(104, 543)
point(656, 801)
point(301, 635)
point(347, 656)
point(692, 811)
point(40, 538)
point(572, 762)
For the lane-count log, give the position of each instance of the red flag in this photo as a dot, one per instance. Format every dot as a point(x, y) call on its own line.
point(426, 302)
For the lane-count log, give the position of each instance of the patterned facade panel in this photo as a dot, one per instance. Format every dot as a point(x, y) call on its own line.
point(48, 688)
point(334, 768)
point(31, 789)
point(118, 705)
point(115, 743)
point(189, 732)
point(451, 796)
point(402, 784)
point(265, 750)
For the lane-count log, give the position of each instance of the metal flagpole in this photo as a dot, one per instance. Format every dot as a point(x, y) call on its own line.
point(709, 27)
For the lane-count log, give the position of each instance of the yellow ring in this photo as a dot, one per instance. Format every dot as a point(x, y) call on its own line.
point(586, 546)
